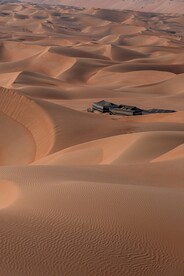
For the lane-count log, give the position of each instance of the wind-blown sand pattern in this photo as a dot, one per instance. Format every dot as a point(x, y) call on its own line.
point(81, 193)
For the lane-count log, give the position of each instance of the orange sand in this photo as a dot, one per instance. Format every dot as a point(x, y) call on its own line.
point(85, 194)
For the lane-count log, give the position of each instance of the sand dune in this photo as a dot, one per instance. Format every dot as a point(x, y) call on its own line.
point(134, 78)
point(83, 69)
point(172, 85)
point(123, 54)
point(87, 193)
point(166, 6)
point(23, 125)
point(102, 217)
point(122, 149)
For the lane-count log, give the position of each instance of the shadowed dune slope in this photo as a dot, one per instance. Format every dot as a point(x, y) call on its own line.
point(24, 125)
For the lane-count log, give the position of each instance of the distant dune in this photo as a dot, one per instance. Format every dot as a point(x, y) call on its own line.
point(91, 194)
point(164, 6)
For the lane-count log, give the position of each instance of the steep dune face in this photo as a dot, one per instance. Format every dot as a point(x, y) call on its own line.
point(26, 131)
point(87, 193)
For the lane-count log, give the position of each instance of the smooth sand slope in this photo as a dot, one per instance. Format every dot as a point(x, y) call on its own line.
point(84, 194)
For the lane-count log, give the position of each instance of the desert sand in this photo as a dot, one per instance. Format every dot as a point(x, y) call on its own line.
point(163, 6)
point(86, 194)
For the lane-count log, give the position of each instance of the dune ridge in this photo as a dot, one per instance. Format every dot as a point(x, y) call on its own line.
point(164, 6)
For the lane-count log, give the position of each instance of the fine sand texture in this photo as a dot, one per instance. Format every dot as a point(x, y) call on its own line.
point(85, 194)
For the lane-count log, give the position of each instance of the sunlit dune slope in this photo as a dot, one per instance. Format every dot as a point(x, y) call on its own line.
point(122, 149)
